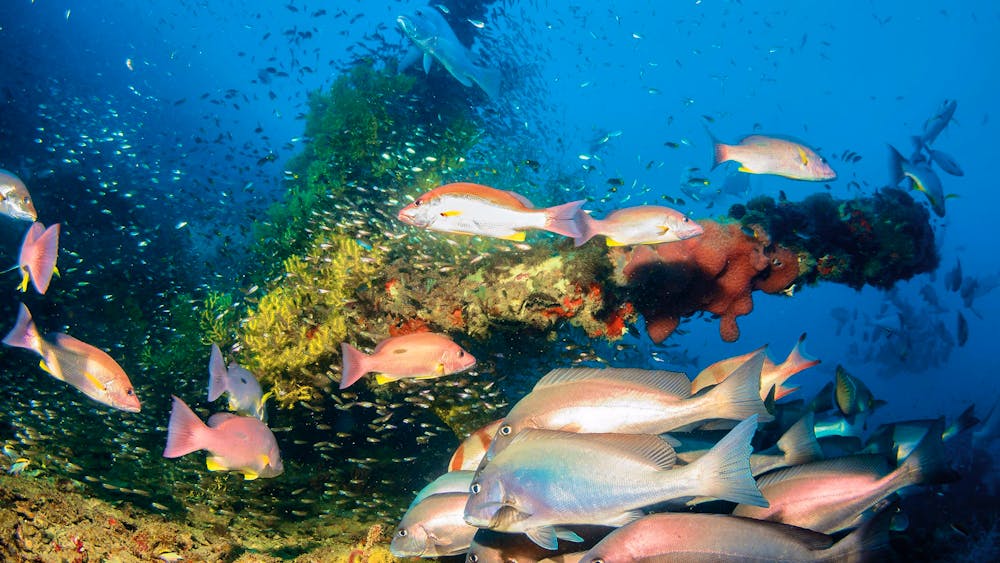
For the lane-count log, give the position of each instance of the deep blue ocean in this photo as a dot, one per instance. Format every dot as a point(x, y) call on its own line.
point(157, 133)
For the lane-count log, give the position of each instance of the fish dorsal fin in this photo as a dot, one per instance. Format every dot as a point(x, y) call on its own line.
point(813, 541)
point(640, 447)
point(875, 465)
point(673, 383)
point(218, 418)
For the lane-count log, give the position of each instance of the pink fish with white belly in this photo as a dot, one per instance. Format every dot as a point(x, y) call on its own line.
point(473, 209)
point(89, 369)
point(237, 443)
point(37, 261)
point(420, 355)
point(644, 224)
point(760, 154)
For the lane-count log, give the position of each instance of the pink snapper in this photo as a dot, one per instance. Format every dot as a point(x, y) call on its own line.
point(759, 154)
point(38, 256)
point(421, 355)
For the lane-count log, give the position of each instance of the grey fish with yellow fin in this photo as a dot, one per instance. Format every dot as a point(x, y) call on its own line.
point(546, 480)
point(761, 154)
point(15, 201)
point(924, 179)
point(237, 443)
point(432, 35)
point(722, 538)
point(644, 224)
point(631, 401)
point(245, 396)
point(88, 368)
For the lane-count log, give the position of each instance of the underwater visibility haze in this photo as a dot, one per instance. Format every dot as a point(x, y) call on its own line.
point(493, 281)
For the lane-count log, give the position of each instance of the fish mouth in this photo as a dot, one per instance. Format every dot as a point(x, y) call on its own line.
point(407, 216)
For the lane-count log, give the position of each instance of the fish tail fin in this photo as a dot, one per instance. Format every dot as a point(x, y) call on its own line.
point(799, 443)
point(355, 365)
point(217, 381)
point(797, 360)
point(720, 150)
point(865, 541)
point(927, 462)
point(896, 162)
point(965, 421)
point(738, 396)
point(41, 257)
point(725, 470)
point(562, 219)
point(587, 226)
point(24, 334)
point(489, 80)
point(185, 431)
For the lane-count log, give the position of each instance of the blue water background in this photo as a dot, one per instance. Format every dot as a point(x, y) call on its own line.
point(842, 75)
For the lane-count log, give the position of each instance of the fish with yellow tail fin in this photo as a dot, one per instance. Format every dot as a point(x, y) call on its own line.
point(420, 355)
point(237, 443)
point(89, 369)
point(38, 257)
point(245, 396)
point(474, 209)
point(644, 224)
point(760, 154)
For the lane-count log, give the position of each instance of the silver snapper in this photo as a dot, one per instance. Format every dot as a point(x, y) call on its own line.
point(722, 538)
point(546, 479)
point(432, 35)
point(630, 401)
point(433, 528)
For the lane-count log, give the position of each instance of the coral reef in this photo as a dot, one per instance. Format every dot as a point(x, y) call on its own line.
point(715, 272)
point(42, 520)
point(876, 240)
point(299, 324)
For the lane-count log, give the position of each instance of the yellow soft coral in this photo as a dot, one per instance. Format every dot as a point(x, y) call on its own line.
point(301, 320)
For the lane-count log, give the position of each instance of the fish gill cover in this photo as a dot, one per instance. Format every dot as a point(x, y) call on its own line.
point(187, 221)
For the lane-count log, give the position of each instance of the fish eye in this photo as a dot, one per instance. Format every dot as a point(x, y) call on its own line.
point(416, 203)
point(505, 430)
point(473, 558)
point(401, 532)
point(475, 488)
point(461, 353)
point(130, 392)
point(776, 263)
point(597, 560)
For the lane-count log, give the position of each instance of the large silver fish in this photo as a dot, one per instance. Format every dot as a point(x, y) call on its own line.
point(15, 201)
point(838, 494)
point(722, 538)
point(433, 528)
point(547, 479)
point(432, 35)
point(630, 401)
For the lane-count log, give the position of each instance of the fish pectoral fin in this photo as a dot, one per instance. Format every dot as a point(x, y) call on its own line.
point(23, 286)
point(518, 237)
point(803, 157)
point(97, 382)
point(382, 379)
point(568, 535)
point(428, 61)
point(545, 537)
point(451, 213)
point(664, 229)
point(439, 369)
point(264, 459)
point(214, 464)
point(627, 518)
